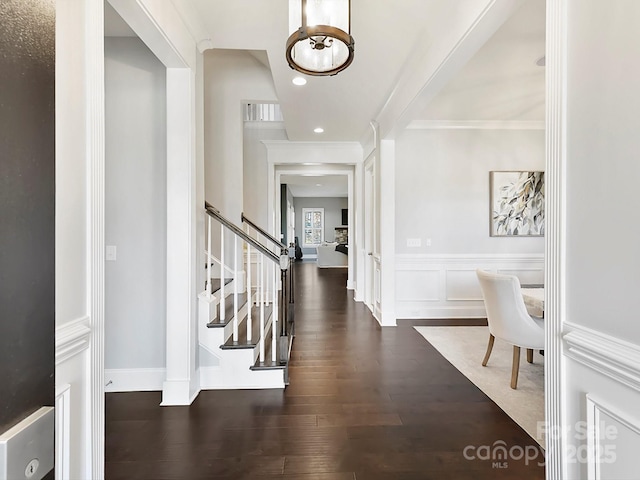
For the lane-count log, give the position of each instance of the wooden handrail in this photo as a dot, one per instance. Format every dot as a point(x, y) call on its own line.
point(215, 213)
point(263, 232)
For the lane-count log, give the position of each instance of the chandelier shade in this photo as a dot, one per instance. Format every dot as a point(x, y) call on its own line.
point(321, 43)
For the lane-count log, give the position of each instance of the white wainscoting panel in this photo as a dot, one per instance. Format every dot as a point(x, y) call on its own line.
point(417, 285)
point(613, 442)
point(462, 285)
point(446, 286)
point(527, 276)
point(63, 433)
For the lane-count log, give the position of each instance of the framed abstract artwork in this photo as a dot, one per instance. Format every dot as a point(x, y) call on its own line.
point(517, 203)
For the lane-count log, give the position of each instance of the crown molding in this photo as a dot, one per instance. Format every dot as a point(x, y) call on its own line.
point(476, 125)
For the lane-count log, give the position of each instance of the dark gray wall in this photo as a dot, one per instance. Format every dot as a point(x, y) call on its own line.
point(27, 216)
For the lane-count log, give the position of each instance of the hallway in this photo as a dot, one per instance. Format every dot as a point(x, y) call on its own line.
point(363, 403)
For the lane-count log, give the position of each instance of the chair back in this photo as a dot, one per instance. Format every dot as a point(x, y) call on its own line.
point(506, 312)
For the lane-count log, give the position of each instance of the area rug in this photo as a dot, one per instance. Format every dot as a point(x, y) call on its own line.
point(464, 348)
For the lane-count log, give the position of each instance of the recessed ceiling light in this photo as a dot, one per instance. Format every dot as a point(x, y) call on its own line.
point(318, 184)
point(299, 81)
point(318, 130)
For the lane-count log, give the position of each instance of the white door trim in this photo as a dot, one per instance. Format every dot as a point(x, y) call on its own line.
point(555, 239)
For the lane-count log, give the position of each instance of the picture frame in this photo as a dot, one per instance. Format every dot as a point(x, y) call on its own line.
point(516, 203)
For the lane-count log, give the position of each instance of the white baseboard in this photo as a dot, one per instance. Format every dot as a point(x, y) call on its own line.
point(453, 311)
point(134, 379)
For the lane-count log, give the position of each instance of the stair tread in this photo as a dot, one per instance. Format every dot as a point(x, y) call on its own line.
point(242, 330)
point(229, 310)
point(216, 283)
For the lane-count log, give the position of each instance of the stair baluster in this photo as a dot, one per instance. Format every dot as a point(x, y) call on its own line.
point(235, 289)
point(249, 294)
point(208, 286)
point(262, 295)
point(274, 315)
point(223, 297)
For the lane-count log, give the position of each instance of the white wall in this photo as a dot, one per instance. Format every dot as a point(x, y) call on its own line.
point(332, 216)
point(255, 169)
point(442, 187)
point(442, 195)
point(231, 78)
point(135, 208)
point(602, 229)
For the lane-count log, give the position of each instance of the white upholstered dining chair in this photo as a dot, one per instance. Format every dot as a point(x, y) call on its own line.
point(508, 318)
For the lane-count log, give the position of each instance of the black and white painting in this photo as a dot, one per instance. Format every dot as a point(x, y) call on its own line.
point(517, 203)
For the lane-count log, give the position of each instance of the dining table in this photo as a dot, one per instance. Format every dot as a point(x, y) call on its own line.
point(534, 300)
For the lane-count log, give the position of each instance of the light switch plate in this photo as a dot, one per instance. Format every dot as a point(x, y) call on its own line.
point(414, 242)
point(26, 449)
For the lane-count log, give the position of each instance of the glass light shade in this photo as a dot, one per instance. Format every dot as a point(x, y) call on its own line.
point(322, 45)
point(328, 12)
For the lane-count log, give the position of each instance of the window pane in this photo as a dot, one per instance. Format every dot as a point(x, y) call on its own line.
point(317, 219)
point(307, 220)
point(308, 236)
point(316, 237)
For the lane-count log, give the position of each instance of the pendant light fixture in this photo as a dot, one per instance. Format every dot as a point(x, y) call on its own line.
point(323, 44)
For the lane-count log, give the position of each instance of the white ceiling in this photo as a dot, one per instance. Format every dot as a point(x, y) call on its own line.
point(500, 82)
point(316, 185)
point(343, 104)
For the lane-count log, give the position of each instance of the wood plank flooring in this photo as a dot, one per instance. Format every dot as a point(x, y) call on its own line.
point(364, 403)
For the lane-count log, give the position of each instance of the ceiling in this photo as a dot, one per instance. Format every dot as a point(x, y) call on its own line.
point(499, 82)
point(316, 185)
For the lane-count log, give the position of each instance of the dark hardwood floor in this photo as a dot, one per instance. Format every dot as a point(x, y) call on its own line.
point(364, 403)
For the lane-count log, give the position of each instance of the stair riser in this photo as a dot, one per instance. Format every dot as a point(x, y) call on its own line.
point(228, 329)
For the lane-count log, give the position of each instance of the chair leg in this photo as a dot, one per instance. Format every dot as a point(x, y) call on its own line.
point(530, 355)
point(515, 367)
point(489, 348)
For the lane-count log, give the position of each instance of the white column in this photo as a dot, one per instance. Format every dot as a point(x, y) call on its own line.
point(387, 210)
point(181, 385)
point(555, 240)
point(95, 155)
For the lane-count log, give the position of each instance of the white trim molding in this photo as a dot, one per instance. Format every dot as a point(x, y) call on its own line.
point(281, 152)
point(603, 438)
point(555, 384)
point(72, 338)
point(476, 125)
point(445, 285)
point(615, 358)
point(63, 432)
point(95, 111)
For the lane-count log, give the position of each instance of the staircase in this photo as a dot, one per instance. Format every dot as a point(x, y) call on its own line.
point(245, 313)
